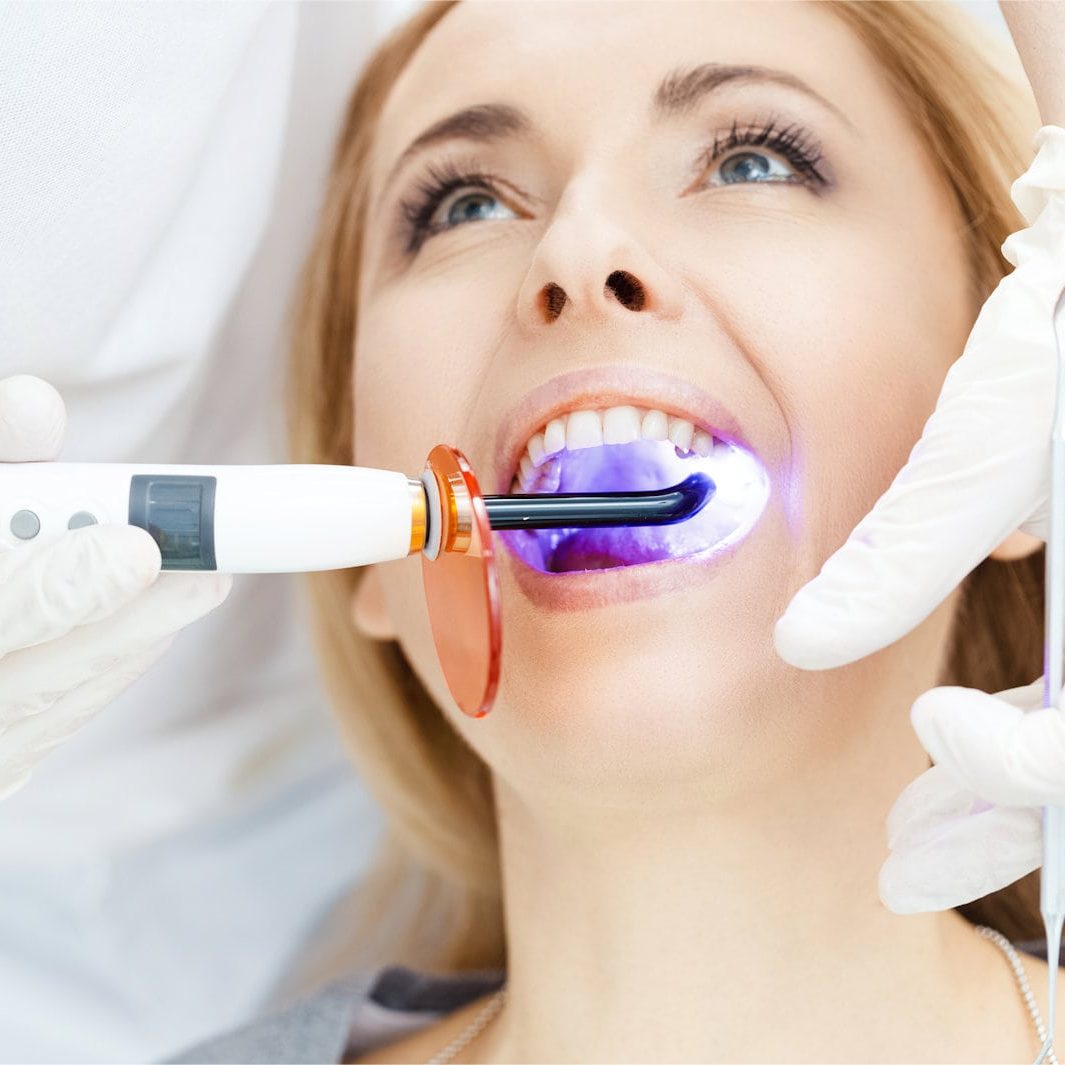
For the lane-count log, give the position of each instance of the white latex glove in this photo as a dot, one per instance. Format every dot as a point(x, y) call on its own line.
point(80, 618)
point(973, 822)
point(981, 468)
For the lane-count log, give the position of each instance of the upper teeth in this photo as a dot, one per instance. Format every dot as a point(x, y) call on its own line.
point(616, 425)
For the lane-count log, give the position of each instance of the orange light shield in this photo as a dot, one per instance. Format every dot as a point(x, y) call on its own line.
point(462, 586)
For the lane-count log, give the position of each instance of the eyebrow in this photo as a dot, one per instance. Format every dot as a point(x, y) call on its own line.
point(682, 89)
point(677, 94)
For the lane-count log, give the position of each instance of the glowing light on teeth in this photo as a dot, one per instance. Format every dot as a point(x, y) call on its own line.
point(629, 449)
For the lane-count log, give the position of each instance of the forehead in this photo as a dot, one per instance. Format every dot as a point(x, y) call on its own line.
point(576, 63)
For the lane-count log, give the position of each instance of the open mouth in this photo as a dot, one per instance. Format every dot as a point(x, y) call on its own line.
point(627, 449)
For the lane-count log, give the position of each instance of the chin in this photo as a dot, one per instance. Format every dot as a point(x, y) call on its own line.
point(655, 693)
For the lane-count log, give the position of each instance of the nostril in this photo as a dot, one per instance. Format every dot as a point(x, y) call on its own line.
point(628, 289)
point(554, 299)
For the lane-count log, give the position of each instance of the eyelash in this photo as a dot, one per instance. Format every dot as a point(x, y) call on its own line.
point(792, 142)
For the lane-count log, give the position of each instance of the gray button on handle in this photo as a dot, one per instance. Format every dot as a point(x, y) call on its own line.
point(25, 524)
point(81, 519)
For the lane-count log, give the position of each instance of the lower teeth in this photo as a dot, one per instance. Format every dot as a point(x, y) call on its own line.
point(574, 553)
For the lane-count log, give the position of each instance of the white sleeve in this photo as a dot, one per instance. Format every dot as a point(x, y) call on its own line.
point(161, 167)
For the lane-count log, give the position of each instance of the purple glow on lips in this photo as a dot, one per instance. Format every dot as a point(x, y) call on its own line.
point(742, 491)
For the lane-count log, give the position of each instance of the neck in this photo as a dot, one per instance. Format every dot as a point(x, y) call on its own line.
point(679, 928)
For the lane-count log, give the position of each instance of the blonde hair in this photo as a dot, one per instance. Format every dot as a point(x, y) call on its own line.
point(433, 898)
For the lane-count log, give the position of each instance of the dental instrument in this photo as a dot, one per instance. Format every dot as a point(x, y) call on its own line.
point(1052, 877)
point(290, 518)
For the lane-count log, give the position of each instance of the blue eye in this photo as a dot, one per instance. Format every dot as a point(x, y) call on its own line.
point(421, 214)
point(471, 210)
point(746, 167)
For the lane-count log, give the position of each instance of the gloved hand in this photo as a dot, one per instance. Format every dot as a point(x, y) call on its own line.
point(973, 822)
point(981, 468)
point(80, 618)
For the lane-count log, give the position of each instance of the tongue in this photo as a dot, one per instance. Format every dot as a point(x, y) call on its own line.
point(608, 548)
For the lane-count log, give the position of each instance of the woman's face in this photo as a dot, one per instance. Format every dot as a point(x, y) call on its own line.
point(801, 296)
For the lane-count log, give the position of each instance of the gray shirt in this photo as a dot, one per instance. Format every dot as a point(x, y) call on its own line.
point(367, 1010)
point(346, 1018)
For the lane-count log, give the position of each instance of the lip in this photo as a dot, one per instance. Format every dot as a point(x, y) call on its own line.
point(590, 589)
point(601, 387)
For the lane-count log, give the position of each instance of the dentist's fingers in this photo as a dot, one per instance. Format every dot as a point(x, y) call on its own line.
point(949, 844)
point(1027, 696)
point(24, 743)
point(33, 419)
point(36, 677)
point(86, 575)
point(961, 858)
point(1002, 753)
point(934, 799)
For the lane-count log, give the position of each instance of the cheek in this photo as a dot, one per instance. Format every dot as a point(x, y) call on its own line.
point(422, 352)
point(423, 349)
point(853, 340)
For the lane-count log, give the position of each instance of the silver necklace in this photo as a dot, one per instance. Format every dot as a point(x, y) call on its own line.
point(471, 1031)
point(1022, 981)
point(492, 1006)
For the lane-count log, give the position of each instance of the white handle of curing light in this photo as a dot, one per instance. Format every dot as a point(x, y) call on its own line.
point(234, 519)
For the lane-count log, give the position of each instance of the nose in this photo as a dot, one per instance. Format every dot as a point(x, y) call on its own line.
point(588, 267)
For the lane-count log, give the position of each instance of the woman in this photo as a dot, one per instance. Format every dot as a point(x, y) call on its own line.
point(665, 837)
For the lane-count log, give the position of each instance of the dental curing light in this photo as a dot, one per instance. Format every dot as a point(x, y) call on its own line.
point(292, 518)
point(1052, 877)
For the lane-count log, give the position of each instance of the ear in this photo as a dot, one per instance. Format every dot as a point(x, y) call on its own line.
point(1017, 545)
point(369, 610)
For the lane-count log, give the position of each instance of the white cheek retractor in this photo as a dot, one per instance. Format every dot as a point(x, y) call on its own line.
point(290, 518)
